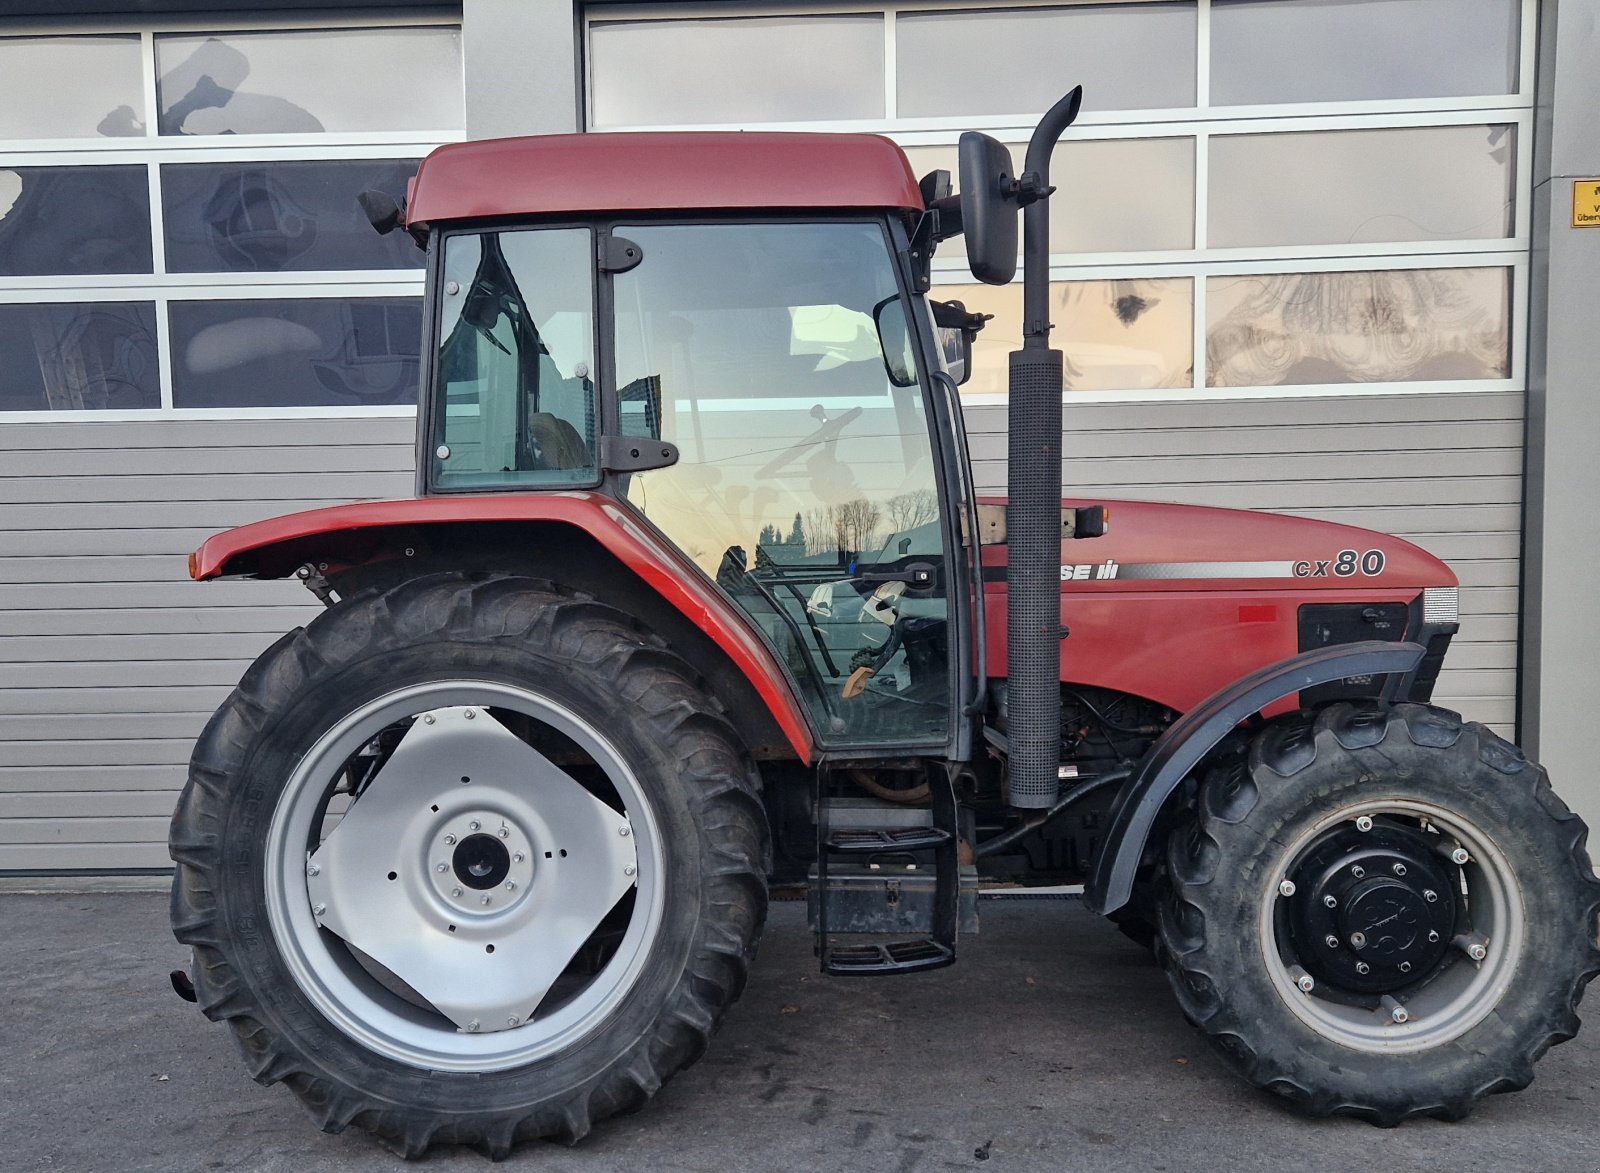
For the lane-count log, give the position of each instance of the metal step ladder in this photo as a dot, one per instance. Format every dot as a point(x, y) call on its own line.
point(888, 878)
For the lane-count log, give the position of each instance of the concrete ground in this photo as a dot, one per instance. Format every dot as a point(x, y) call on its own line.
point(1053, 1044)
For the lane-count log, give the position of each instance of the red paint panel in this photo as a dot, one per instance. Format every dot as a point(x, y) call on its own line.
point(576, 174)
point(275, 547)
point(1223, 598)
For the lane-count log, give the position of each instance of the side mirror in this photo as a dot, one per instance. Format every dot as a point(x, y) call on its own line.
point(956, 331)
point(988, 207)
point(383, 213)
point(894, 335)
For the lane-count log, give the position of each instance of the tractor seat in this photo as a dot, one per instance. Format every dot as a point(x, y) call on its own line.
point(556, 442)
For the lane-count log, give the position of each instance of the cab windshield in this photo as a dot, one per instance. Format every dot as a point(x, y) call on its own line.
point(778, 359)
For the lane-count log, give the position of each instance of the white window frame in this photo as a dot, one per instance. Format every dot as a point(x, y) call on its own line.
point(153, 149)
point(1200, 123)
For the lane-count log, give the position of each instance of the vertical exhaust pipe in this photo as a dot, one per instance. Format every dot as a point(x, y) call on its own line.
point(1033, 510)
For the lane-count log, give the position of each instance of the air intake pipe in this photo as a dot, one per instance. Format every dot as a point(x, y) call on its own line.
point(1033, 511)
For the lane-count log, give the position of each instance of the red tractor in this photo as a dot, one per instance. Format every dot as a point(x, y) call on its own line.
point(695, 596)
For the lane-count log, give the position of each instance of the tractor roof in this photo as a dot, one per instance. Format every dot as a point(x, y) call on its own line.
point(572, 174)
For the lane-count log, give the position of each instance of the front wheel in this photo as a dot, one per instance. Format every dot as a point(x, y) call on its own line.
point(1381, 912)
point(471, 860)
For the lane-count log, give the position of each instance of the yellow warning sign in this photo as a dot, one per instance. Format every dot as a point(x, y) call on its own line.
point(1586, 203)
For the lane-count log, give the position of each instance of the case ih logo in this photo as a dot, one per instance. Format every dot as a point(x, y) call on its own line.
point(1085, 572)
point(1344, 564)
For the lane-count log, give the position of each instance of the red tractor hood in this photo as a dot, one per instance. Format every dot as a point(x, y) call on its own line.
point(1178, 601)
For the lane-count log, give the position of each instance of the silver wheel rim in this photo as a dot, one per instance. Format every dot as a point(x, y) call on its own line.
point(480, 960)
point(1464, 992)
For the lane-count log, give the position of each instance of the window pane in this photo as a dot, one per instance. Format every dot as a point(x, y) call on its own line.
point(1271, 51)
point(516, 393)
point(274, 217)
point(1392, 326)
point(1355, 186)
point(71, 87)
point(806, 484)
point(74, 220)
point(1020, 60)
point(754, 69)
point(1126, 335)
point(306, 82)
point(1116, 195)
point(322, 352)
point(99, 355)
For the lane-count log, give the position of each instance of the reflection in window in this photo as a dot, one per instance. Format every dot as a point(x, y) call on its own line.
point(806, 483)
point(71, 87)
point(96, 355)
point(1374, 327)
point(275, 217)
point(1119, 195)
point(1271, 51)
point(312, 352)
point(335, 80)
point(74, 221)
point(747, 69)
point(1123, 335)
point(1354, 186)
point(515, 404)
point(1021, 60)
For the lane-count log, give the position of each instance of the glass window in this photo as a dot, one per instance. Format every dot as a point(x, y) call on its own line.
point(516, 391)
point(276, 217)
point(1021, 60)
point(746, 69)
point(1272, 51)
point(302, 352)
point(336, 80)
point(74, 220)
point(1355, 186)
point(71, 87)
point(806, 483)
point(1116, 195)
point(65, 357)
point(1124, 335)
point(1396, 325)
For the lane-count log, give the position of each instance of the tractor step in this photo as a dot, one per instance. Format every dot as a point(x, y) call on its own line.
point(881, 957)
point(873, 840)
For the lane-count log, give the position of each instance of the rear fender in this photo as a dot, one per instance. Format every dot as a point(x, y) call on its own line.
point(379, 539)
point(1192, 736)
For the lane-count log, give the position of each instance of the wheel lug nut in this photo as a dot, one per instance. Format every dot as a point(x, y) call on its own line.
point(511, 885)
point(629, 870)
point(1303, 981)
point(313, 870)
point(1397, 1012)
point(1363, 967)
point(1358, 940)
point(484, 899)
point(477, 826)
point(455, 892)
point(1330, 901)
point(1459, 856)
point(1404, 967)
point(512, 1020)
point(1363, 823)
point(624, 832)
point(1474, 945)
point(1357, 871)
point(472, 1027)
point(469, 714)
point(449, 840)
point(505, 832)
point(517, 857)
point(1399, 869)
point(427, 718)
point(1429, 895)
point(1331, 941)
point(441, 868)
point(318, 909)
point(1286, 888)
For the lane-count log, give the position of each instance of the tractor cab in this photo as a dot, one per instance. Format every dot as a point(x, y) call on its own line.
point(762, 380)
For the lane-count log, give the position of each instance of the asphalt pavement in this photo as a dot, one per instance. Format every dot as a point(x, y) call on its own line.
point(1053, 1044)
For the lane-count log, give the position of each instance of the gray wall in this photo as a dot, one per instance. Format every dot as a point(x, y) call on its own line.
point(1562, 625)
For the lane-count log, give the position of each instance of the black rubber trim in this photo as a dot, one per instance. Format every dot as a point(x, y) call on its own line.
point(1193, 735)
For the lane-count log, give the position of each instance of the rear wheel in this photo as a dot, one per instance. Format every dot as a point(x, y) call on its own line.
point(1382, 912)
point(469, 861)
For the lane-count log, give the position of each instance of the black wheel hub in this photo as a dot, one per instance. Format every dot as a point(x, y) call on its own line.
point(1372, 911)
point(481, 862)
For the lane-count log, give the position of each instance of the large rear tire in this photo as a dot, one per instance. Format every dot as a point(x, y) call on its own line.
point(1382, 912)
point(472, 860)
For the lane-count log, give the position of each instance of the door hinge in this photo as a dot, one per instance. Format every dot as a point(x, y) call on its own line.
point(618, 254)
point(635, 453)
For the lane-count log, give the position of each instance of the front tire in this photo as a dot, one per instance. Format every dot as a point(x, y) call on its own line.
point(1380, 912)
point(470, 860)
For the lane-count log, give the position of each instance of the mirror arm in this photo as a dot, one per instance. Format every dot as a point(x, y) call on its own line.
point(1036, 220)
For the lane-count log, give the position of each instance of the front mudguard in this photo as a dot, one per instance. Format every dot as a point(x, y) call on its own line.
point(1192, 736)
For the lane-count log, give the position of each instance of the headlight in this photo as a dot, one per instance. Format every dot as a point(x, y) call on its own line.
point(1441, 605)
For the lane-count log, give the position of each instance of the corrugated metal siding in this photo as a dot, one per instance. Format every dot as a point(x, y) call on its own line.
point(111, 659)
point(1443, 471)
